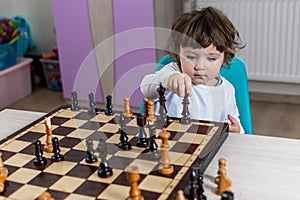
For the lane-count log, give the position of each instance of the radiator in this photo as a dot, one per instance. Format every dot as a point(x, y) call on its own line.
point(270, 29)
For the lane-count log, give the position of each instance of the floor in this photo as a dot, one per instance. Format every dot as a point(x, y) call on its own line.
point(272, 115)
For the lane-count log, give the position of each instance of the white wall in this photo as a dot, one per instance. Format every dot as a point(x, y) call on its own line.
point(38, 14)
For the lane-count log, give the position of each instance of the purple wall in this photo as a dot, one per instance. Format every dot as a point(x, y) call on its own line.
point(74, 40)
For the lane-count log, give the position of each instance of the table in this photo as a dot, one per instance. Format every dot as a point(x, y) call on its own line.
point(260, 167)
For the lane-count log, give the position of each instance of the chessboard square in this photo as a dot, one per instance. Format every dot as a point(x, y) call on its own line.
point(16, 146)
point(56, 120)
point(74, 123)
point(67, 184)
point(44, 179)
point(83, 115)
point(81, 133)
point(28, 192)
point(58, 194)
point(6, 154)
point(19, 160)
point(133, 153)
point(133, 130)
point(132, 122)
point(111, 128)
point(60, 168)
point(40, 128)
point(177, 126)
point(178, 158)
point(199, 129)
point(10, 187)
point(31, 136)
point(23, 175)
point(101, 117)
point(122, 179)
point(115, 139)
point(184, 147)
point(145, 166)
point(82, 171)
point(90, 188)
point(96, 135)
point(66, 113)
point(108, 180)
point(91, 125)
point(69, 142)
point(192, 138)
point(155, 183)
point(79, 197)
point(117, 162)
point(115, 192)
point(61, 130)
point(149, 195)
point(74, 155)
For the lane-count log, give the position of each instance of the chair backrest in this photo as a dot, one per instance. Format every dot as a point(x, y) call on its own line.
point(236, 74)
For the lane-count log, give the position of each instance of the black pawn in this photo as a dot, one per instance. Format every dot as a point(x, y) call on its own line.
point(124, 144)
point(90, 157)
point(56, 151)
point(191, 190)
point(152, 143)
point(104, 170)
point(141, 122)
point(39, 160)
point(185, 119)
point(227, 196)
point(92, 104)
point(74, 101)
point(162, 118)
point(200, 190)
point(109, 106)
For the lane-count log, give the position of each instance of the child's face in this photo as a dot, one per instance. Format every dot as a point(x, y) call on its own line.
point(201, 64)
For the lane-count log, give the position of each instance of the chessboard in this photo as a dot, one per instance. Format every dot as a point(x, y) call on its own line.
point(190, 145)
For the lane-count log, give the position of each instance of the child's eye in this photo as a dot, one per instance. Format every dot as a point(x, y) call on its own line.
point(211, 59)
point(191, 57)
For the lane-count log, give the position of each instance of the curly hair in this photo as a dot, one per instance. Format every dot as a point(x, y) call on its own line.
point(201, 28)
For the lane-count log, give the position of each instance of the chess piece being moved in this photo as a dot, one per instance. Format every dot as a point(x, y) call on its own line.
point(92, 104)
point(133, 176)
point(48, 147)
point(3, 174)
point(39, 160)
point(90, 157)
point(104, 170)
point(124, 143)
point(74, 101)
point(185, 119)
point(45, 196)
point(141, 122)
point(223, 182)
point(56, 157)
point(165, 166)
point(127, 109)
point(109, 106)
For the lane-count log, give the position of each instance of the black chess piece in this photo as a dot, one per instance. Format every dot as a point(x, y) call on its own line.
point(39, 160)
point(185, 119)
point(109, 110)
point(191, 190)
point(90, 157)
point(227, 196)
point(56, 151)
point(162, 118)
point(141, 122)
point(200, 190)
point(152, 143)
point(124, 144)
point(74, 105)
point(92, 104)
point(104, 170)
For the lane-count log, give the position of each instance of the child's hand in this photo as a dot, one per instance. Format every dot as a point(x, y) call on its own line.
point(180, 83)
point(234, 126)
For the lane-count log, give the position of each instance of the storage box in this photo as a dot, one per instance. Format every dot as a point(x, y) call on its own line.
point(8, 55)
point(52, 74)
point(15, 82)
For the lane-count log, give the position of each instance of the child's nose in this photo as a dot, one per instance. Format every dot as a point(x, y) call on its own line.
point(200, 65)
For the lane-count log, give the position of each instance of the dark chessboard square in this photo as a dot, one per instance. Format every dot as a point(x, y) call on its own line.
point(116, 120)
point(69, 142)
point(83, 116)
point(117, 162)
point(103, 135)
point(122, 180)
point(29, 149)
point(11, 169)
point(132, 130)
point(175, 135)
point(59, 120)
point(199, 129)
point(61, 130)
point(31, 136)
point(75, 155)
point(10, 187)
point(45, 179)
point(156, 172)
point(82, 171)
point(182, 147)
point(91, 188)
point(112, 148)
point(91, 125)
point(30, 165)
point(150, 195)
point(58, 194)
point(150, 156)
point(6, 154)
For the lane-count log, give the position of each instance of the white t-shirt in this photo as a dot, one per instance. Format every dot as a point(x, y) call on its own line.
point(212, 103)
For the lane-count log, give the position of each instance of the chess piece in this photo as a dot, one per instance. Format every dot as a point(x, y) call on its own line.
point(92, 104)
point(133, 176)
point(45, 196)
point(185, 119)
point(127, 112)
point(104, 170)
point(223, 182)
point(39, 160)
point(141, 122)
point(146, 100)
point(200, 189)
point(3, 174)
point(191, 190)
point(74, 101)
point(48, 148)
point(151, 112)
point(180, 195)
point(124, 144)
point(227, 196)
point(165, 167)
point(90, 157)
point(56, 151)
point(152, 147)
point(162, 118)
point(109, 106)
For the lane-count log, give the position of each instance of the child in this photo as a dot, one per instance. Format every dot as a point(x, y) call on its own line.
point(200, 42)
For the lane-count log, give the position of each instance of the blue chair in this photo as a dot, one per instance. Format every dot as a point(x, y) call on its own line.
point(237, 76)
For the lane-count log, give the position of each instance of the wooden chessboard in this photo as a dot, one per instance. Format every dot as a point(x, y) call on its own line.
point(190, 145)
